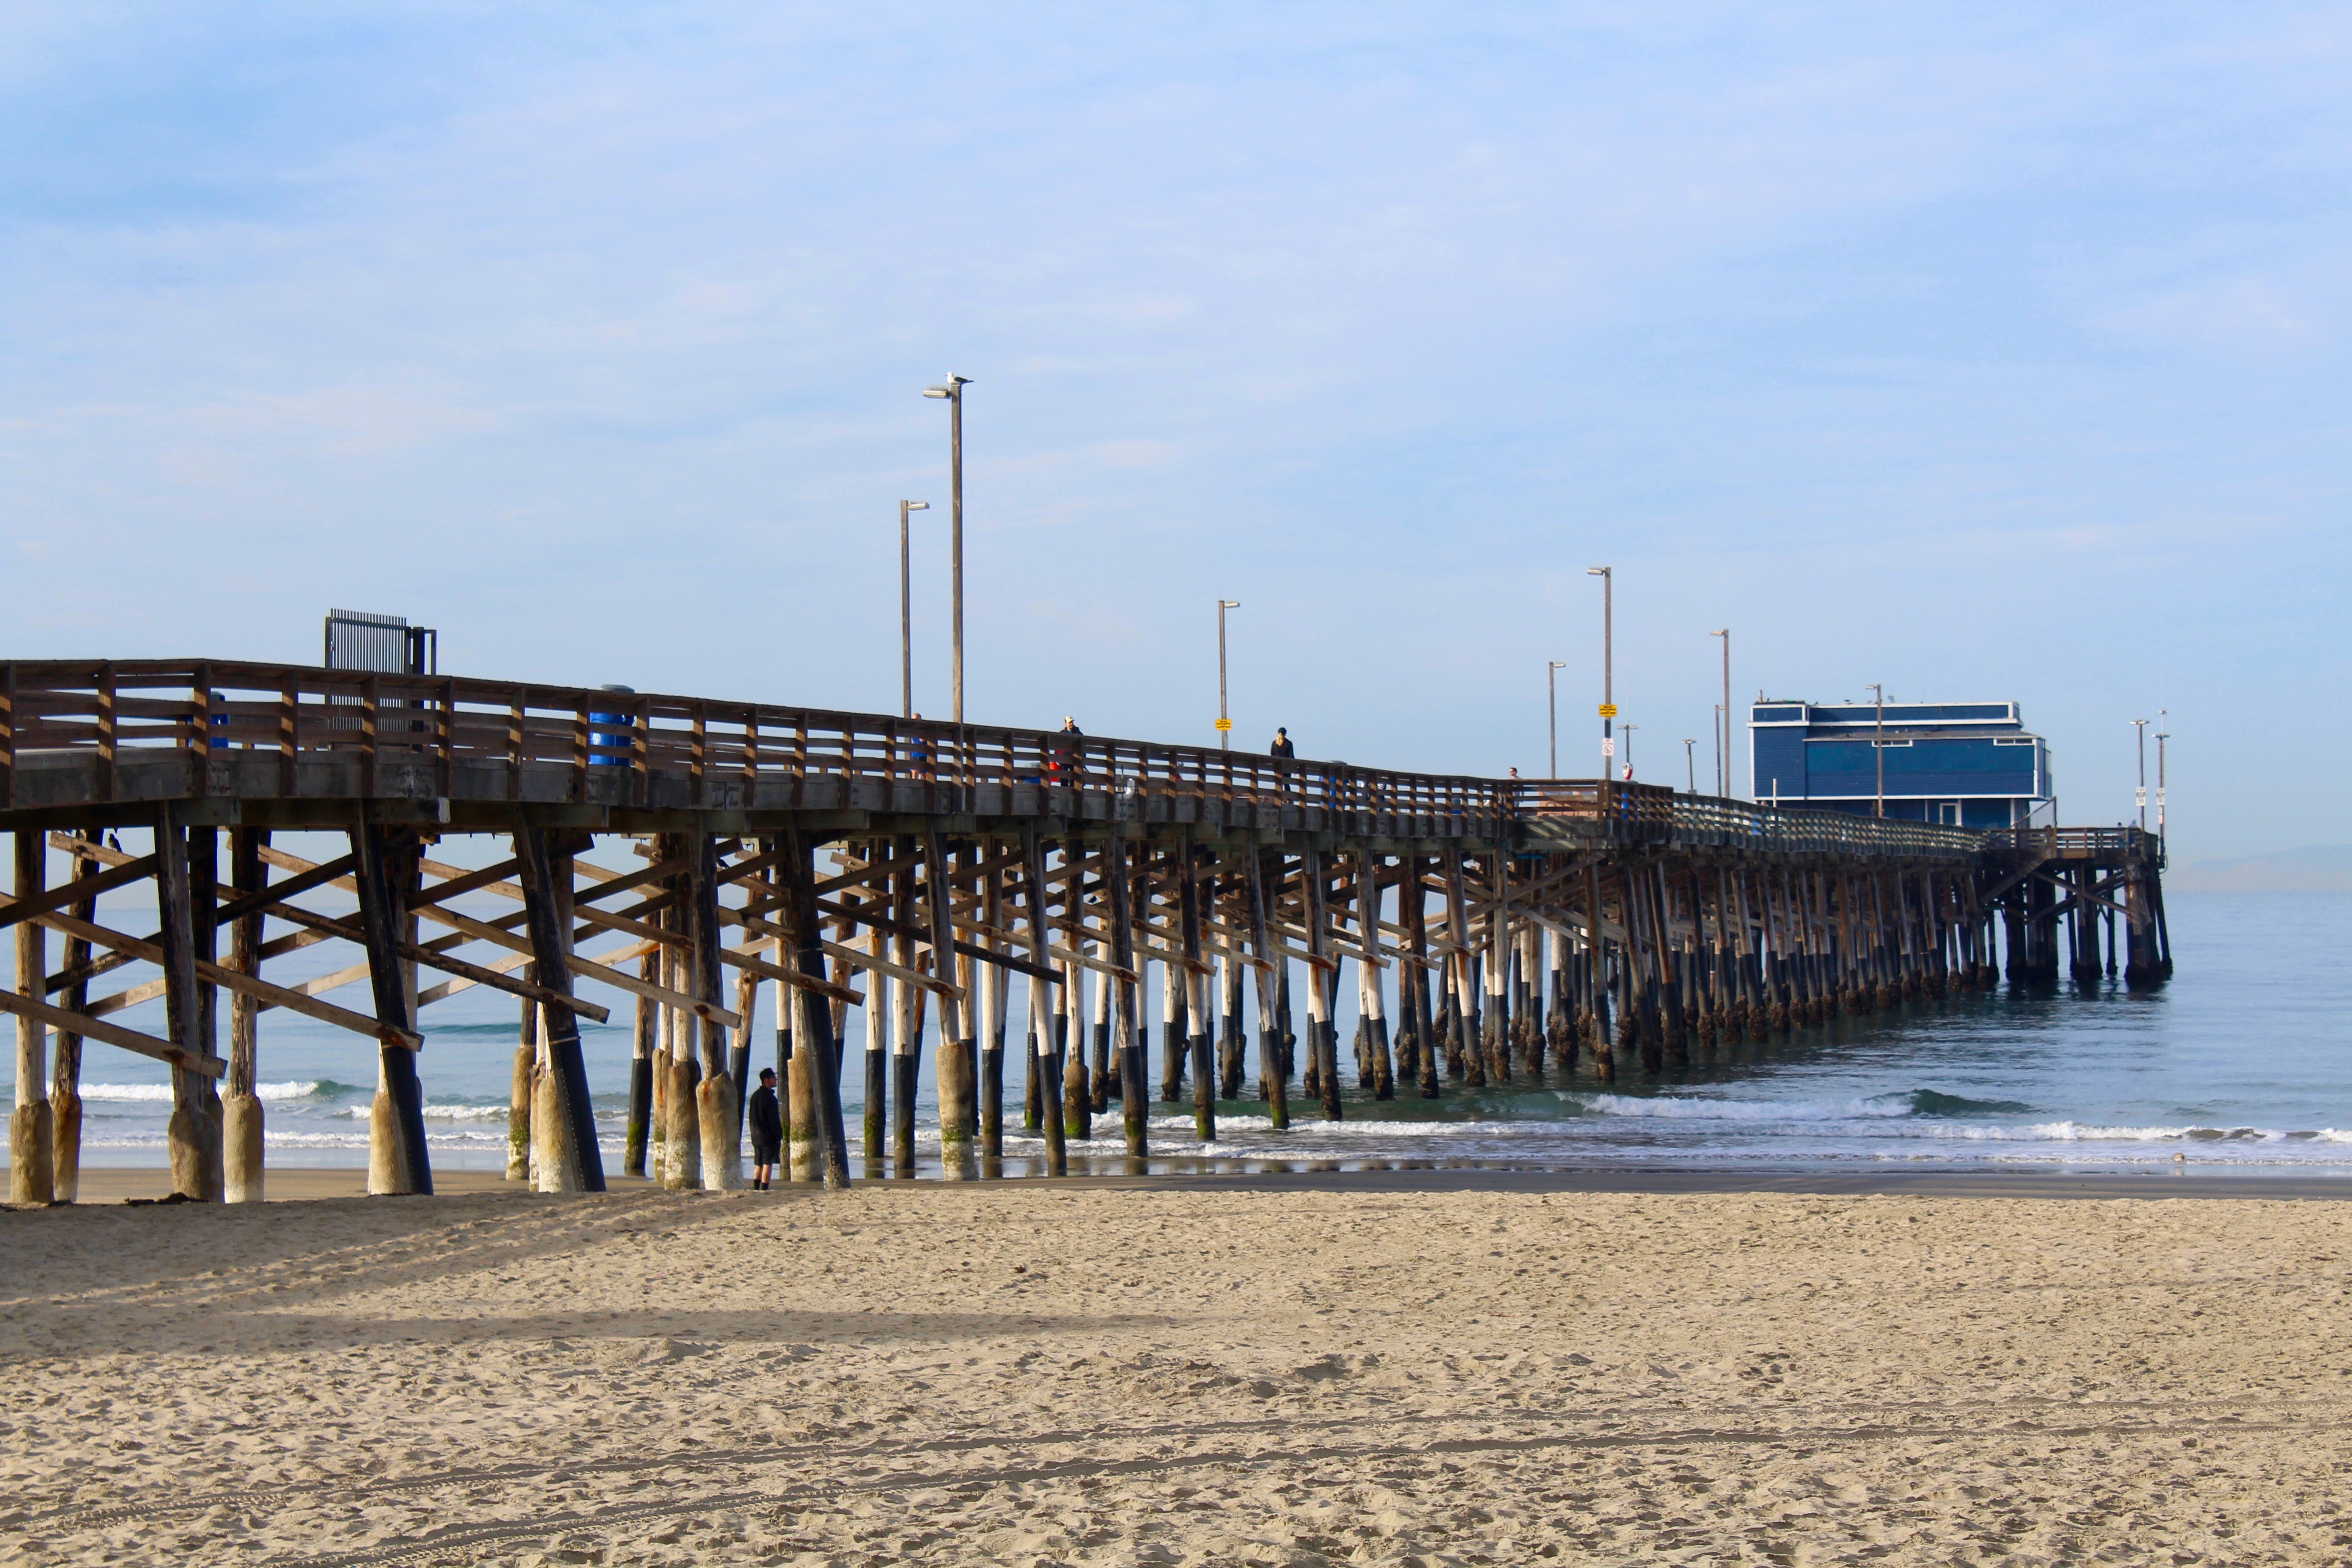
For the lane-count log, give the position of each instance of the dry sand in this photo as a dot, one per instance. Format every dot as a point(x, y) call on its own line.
point(1178, 1374)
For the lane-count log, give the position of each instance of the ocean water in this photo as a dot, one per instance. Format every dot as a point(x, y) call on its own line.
point(2244, 1061)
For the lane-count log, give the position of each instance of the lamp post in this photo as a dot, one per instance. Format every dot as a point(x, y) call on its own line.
point(1608, 687)
point(1723, 757)
point(907, 611)
point(2139, 795)
point(2161, 736)
point(1690, 767)
point(1224, 719)
point(1878, 744)
point(1552, 698)
point(954, 393)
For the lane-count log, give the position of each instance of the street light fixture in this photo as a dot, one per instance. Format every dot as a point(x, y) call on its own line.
point(954, 393)
point(1608, 678)
point(1552, 696)
point(1224, 719)
point(1878, 744)
point(2162, 735)
point(2139, 795)
point(1690, 766)
point(1723, 783)
point(907, 612)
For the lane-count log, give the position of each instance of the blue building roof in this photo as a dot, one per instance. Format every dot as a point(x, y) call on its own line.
point(1969, 763)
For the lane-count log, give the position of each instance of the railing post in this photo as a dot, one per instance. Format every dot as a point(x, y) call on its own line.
point(514, 745)
point(8, 733)
point(641, 755)
point(369, 706)
point(580, 750)
point(447, 739)
point(289, 735)
point(107, 735)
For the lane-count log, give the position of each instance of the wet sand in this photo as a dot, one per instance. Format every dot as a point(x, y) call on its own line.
point(1431, 1367)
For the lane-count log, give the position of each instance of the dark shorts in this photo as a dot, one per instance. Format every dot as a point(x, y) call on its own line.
point(765, 1153)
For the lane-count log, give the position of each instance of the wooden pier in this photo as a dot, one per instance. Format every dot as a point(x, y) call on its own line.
point(1495, 931)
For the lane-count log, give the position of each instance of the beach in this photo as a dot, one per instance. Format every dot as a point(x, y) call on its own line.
point(1414, 1367)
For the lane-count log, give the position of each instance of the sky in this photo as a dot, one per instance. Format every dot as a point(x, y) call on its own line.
point(1982, 351)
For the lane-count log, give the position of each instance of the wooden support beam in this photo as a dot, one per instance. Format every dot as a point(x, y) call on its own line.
point(15, 910)
point(243, 985)
point(93, 1027)
point(572, 1161)
point(399, 1161)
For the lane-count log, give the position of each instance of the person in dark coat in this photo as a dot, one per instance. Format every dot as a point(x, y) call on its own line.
point(1282, 746)
point(767, 1130)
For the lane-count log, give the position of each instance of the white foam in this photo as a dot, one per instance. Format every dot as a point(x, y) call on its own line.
point(163, 1091)
point(1691, 1107)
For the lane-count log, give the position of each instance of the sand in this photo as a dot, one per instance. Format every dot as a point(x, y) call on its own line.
point(1141, 1373)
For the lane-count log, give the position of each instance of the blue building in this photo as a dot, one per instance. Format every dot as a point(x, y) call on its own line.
point(1970, 764)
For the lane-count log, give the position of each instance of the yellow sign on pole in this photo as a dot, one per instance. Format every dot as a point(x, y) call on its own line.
point(1225, 724)
point(1609, 709)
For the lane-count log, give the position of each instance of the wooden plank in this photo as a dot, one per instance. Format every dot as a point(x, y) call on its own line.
point(747, 960)
point(433, 958)
point(858, 916)
point(15, 910)
point(244, 985)
point(94, 1029)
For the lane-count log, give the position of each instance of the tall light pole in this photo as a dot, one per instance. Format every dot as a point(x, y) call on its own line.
point(1690, 767)
point(954, 393)
point(907, 611)
point(2139, 795)
point(1224, 719)
point(2162, 735)
point(1552, 696)
point(1723, 782)
point(1608, 679)
point(1878, 744)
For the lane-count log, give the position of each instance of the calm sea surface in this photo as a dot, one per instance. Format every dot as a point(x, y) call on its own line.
point(2244, 1061)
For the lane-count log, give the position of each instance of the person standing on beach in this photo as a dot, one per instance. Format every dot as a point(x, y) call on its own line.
point(767, 1130)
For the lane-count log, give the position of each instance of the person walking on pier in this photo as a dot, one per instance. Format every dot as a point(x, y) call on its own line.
point(1281, 746)
point(767, 1130)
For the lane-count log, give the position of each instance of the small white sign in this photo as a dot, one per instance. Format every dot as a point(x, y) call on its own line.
point(1608, 745)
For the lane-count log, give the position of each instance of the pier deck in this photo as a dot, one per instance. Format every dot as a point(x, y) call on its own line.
point(1512, 926)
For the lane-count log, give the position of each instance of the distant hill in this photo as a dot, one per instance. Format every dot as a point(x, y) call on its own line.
point(2317, 869)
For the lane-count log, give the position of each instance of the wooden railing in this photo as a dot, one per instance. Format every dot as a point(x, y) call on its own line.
point(129, 712)
point(2109, 844)
point(1649, 814)
point(132, 711)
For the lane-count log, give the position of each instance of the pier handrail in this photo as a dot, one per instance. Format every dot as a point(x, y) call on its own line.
point(128, 710)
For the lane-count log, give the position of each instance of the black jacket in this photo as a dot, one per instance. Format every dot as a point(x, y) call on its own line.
point(767, 1123)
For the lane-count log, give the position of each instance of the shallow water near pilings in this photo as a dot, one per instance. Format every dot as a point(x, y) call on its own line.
point(2244, 1061)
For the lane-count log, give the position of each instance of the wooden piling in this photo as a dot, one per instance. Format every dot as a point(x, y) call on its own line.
point(570, 1158)
point(398, 1161)
point(991, 981)
point(523, 1087)
point(1036, 901)
point(1323, 1041)
point(1188, 908)
point(1274, 1080)
point(65, 1081)
point(1134, 1102)
point(638, 1133)
point(32, 1127)
point(1369, 989)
